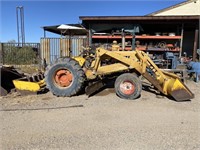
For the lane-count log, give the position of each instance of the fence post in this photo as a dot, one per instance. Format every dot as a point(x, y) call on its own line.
point(1, 54)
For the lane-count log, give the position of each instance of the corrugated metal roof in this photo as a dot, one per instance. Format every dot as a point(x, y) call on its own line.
point(54, 29)
point(90, 18)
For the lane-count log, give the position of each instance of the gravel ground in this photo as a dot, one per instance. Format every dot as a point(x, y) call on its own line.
point(104, 121)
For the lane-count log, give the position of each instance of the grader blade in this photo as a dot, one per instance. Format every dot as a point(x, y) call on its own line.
point(94, 87)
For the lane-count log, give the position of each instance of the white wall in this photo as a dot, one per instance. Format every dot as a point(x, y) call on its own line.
point(192, 8)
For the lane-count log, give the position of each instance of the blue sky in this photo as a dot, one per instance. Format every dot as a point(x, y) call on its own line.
point(47, 13)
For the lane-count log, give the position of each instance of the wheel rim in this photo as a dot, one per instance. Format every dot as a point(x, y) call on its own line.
point(127, 87)
point(63, 78)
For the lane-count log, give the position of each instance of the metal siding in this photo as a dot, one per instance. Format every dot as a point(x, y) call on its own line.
point(52, 48)
point(65, 44)
point(45, 50)
point(189, 9)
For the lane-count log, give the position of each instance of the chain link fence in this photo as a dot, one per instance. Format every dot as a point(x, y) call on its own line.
point(20, 54)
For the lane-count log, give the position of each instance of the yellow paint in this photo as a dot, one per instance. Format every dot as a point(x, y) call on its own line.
point(27, 85)
point(80, 60)
point(90, 74)
point(175, 85)
point(166, 82)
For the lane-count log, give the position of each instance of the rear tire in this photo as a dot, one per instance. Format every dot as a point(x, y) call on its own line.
point(128, 86)
point(65, 77)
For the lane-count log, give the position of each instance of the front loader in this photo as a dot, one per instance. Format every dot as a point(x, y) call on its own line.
point(68, 76)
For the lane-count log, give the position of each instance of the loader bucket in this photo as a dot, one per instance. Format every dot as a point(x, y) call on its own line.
point(33, 83)
point(177, 89)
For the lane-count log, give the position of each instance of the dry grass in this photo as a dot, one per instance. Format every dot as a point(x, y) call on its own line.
point(28, 69)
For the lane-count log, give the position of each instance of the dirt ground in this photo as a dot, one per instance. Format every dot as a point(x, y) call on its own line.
point(103, 121)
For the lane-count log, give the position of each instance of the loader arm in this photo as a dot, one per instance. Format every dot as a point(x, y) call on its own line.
point(167, 83)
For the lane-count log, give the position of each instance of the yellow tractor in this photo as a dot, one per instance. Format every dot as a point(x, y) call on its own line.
point(69, 76)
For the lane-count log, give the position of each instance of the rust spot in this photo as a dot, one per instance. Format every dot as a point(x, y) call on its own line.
point(182, 95)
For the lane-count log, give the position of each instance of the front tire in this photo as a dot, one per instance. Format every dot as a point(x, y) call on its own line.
point(128, 86)
point(65, 77)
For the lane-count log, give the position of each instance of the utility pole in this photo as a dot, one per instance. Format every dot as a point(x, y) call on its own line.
point(20, 25)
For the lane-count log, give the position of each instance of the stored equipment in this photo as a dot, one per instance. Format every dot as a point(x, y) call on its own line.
point(68, 76)
point(34, 83)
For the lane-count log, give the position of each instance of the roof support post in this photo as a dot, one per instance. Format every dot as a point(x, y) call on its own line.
point(44, 33)
point(90, 37)
point(123, 39)
point(194, 56)
point(133, 40)
point(181, 42)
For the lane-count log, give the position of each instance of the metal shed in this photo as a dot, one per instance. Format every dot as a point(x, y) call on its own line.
point(186, 28)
